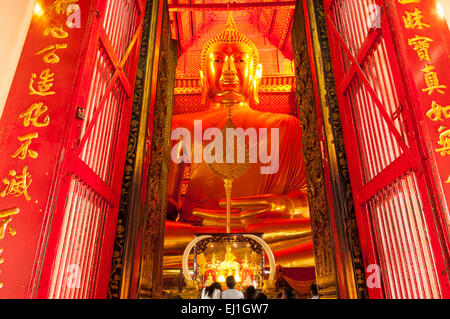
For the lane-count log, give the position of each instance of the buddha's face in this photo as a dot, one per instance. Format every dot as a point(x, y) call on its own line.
point(230, 74)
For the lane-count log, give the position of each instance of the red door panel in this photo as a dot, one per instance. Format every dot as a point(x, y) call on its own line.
point(393, 208)
point(79, 251)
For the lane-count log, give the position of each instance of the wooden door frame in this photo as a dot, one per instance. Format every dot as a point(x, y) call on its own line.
point(333, 217)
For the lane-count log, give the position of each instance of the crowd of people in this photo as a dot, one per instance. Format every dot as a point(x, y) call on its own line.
point(214, 291)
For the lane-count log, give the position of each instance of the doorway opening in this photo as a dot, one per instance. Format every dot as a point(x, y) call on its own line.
point(319, 45)
point(192, 186)
point(150, 245)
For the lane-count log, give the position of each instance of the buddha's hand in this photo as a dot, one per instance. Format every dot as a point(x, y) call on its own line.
point(270, 204)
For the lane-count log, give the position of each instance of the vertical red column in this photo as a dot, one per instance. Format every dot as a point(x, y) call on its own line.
point(32, 130)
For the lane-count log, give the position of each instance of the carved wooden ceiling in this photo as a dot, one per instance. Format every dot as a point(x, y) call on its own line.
point(267, 23)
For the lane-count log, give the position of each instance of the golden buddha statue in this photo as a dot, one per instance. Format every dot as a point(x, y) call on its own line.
point(270, 197)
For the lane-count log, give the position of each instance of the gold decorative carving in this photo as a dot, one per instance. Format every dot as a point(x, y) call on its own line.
point(151, 275)
point(345, 216)
point(130, 205)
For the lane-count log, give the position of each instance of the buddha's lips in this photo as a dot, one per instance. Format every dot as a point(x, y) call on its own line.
point(230, 88)
point(229, 81)
point(228, 91)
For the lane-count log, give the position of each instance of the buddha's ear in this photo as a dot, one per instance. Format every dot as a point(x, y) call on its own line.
point(256, 83)
point(204, 88)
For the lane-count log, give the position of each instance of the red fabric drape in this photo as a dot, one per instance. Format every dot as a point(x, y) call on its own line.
point(298, 278)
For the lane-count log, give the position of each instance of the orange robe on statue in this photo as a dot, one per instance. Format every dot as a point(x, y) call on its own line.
point(206, 189)
point(289, 238)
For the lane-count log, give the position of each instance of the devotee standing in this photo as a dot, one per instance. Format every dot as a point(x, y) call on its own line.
point(314, 293)
point(250, 293)
point(232, 293)
point(212, 292)
point(288, 293)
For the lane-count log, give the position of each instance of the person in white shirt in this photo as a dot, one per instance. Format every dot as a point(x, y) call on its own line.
point(212, 292)
point(232, 293)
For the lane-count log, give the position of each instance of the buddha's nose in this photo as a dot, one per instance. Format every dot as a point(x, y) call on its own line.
point(229, 67)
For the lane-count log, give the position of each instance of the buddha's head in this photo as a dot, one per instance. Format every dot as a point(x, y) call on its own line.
point(230, 70)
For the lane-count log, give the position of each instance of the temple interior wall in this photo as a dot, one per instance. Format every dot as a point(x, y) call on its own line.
point(15, 18)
